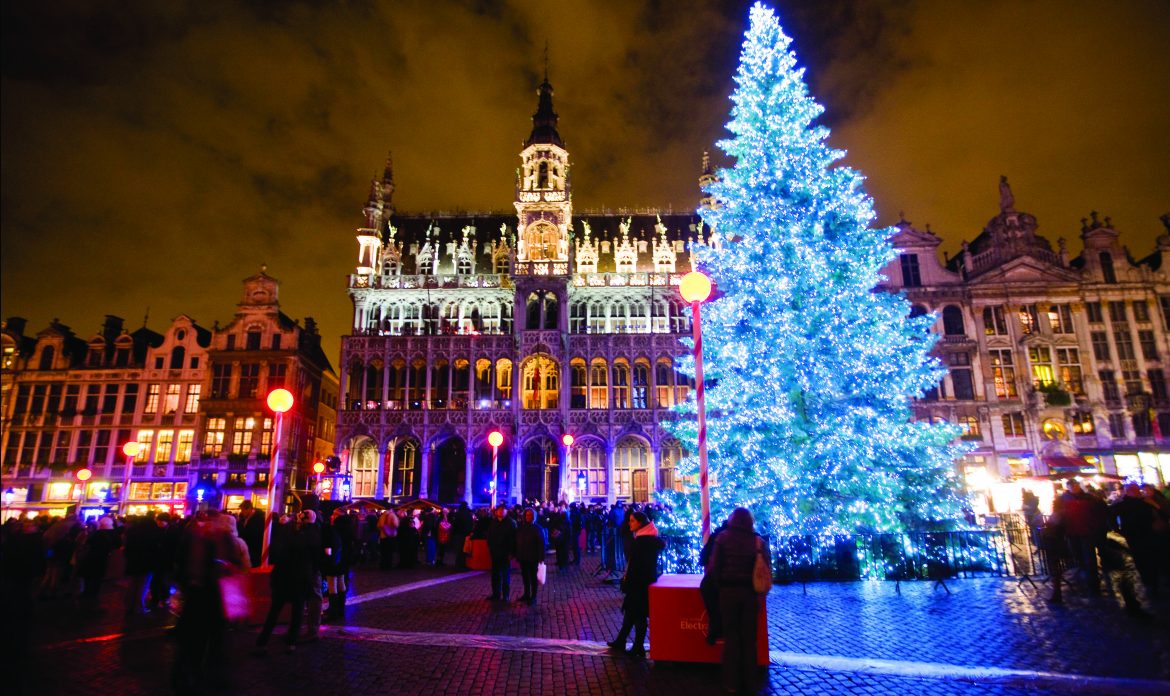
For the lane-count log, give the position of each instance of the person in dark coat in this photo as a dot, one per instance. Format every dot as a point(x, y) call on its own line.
point(709, 590)
point(407, 543)
point(94, 558)
point(501, 539)
point(1135, 519)
point(576, 524)
point(641, 573)
point(141, 543)
point(162, 570)
point(341, 546)
point(530, 551)
point(203, 555)
point(251, 530)
point(461, 525)
point(294, 552)
point(733, 558)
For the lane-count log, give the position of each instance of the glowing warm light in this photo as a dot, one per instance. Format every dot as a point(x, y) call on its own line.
point(319, 468)
point(280, 400)
point(695, 287)
point(84, 474)
point(495, 438)
point(131, 449)
point(567, 439)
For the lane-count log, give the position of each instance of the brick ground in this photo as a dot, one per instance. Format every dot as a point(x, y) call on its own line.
point(984, 623)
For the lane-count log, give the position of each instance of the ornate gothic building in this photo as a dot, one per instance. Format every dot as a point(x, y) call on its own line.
point(537, 324)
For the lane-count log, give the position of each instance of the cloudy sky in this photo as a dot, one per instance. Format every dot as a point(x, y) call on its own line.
point(156, 153)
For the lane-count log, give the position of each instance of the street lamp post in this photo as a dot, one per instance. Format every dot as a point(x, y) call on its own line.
point(131, 450)
point(83, 476)
point(318, 469)
point(280, 401)
point(567, 440)
point(495, 439)
point(695, 289)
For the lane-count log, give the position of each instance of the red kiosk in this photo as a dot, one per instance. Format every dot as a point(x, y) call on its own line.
point(678, 623)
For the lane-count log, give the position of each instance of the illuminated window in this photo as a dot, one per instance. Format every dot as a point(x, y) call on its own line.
point(183, 451)
point(172, 399)
point(631, 460)
point(503, 382)
point(242, 435)
point(598, 385)
point(266, 437)
point(1082, 422)
point(166, 440)
point(640, 382)
point(579, 385)
point(145, 439)
point(588, 457)
point(192, 403)
point(970, 426)
point(621, 383)
point(213, 437)
point(1070, 370)
point(1003, 373)
point(1013, 424)
point(668, 458)
point(1060, 319)
point(664, 383)
point(994, 323)
point(1028, 319)
point(152, 393)
point(1041, 359)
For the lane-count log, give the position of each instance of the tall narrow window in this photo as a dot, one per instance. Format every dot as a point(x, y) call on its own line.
point(171, 403)
point(579, 386)
point(183, 451)
point(1157, 386)
point(1141, 311)
point(249, 380)
point(1028, 319)
point(911, 276)
point(953, 321)
point(1093, 310)
point(1101, 346)
point(178, 357)
point(960, 367)
point(192, 403)
point(598, 384)
point(1060, 319)
point(1109, 386)
point(213, 436)
point(1124, 342)
point(640, 383)
point(253, 340)
point(621, 383)
point(1003, 373)
point(242, 436)
point(221, 379)
point(166, 441)
point(1013, 424)
point(1149, 345)
point(664, 383)
point(152, 394)
point(1107, 267)
point(1070, 369)
point(1041, 359)
point(994, 323)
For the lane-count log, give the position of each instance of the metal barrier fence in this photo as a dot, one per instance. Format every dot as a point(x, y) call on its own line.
point(1009, 549)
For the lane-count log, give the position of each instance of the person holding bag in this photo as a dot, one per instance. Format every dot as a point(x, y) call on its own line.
point(530, 551)
point(740, 566)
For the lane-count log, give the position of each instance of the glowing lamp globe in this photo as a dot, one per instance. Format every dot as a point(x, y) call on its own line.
point(495, 438)
point(131, 449)
point(567, 439)
point(280, 400)
point(84, 474)
point(319, 468)
point(695, 287)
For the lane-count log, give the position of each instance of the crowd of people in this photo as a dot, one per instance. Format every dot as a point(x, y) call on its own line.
point(1097, 534)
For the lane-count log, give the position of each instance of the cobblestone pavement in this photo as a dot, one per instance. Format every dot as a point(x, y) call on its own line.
point(430, 631)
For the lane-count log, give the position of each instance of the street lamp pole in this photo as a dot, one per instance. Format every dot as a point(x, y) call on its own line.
point(280, 401)
point(495, 439)
point(696, 288)
point(131, 450)
point(567, 440)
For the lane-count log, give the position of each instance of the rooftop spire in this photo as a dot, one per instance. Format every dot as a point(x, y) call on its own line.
point(544, 121)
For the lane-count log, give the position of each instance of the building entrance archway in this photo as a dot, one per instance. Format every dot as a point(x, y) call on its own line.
point(541, 471)
point(450, 471)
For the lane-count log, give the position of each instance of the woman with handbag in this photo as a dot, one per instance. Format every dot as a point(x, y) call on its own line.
point(641, 572)
point(530, 550)
point(737, 554)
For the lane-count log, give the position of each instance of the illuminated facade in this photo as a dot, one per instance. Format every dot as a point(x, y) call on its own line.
point(1055, 363)
point(75, 402)
point(537, 324)
point(190, 397)
point(262, 349)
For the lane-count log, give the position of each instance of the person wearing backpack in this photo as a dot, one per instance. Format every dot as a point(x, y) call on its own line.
point(737, 557)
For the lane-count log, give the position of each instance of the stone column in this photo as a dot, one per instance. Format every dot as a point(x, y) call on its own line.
point(610, 483)
point(428, 455)
point(468, 487)
point(380, 478)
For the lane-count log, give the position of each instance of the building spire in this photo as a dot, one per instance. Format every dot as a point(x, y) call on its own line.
point(544, 121)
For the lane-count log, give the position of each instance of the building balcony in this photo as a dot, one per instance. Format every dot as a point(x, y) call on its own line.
point(423, 282)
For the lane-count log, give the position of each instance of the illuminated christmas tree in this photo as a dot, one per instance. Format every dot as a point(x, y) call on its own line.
point(810, 370)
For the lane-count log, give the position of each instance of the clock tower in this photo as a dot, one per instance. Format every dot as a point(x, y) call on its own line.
point(544, 204)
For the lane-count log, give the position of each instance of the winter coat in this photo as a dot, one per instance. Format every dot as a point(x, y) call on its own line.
point(530, 545)
point(641, 572)
point(501, 538)
point(733, 557)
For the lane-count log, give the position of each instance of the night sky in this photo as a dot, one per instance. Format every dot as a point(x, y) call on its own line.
point(156, 153)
